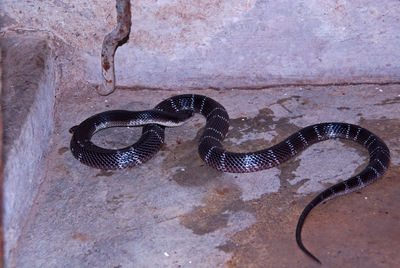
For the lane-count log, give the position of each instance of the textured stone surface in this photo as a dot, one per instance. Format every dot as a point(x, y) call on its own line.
point(1, 166)
point(174, 211)
point(27, 107)
point(225, 44)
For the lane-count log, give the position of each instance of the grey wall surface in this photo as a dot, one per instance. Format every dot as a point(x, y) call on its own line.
point(225, 44)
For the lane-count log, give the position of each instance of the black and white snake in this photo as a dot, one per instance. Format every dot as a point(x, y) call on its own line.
point(175, 110)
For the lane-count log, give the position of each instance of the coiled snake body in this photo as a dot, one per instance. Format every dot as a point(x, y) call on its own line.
point(175, 110)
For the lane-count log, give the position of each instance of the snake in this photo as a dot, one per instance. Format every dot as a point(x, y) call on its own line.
point(175, 110)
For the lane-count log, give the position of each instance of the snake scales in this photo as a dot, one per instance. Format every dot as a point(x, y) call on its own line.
point(175, 110)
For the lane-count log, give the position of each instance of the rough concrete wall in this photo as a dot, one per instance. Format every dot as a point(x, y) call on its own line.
point(27, 106)
point(223, 44)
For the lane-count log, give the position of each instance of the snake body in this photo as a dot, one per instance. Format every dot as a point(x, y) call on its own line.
point(174, 110)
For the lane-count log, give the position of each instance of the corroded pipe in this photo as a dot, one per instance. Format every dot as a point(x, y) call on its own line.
point(117, 37)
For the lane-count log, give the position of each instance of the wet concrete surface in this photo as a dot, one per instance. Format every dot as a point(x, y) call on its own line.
point(174, 211)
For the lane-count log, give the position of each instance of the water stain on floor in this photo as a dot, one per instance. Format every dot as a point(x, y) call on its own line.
point(276, 214)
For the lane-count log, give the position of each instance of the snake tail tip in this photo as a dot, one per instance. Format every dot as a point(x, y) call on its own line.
point(305, 250)
point(316, 259)
point(312, 256)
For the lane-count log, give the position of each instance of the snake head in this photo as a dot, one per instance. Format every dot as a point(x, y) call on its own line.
point(184, 114)
point(179, 118)
point(72, 129)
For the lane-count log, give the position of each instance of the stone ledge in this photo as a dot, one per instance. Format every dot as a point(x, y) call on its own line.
point(27, 107)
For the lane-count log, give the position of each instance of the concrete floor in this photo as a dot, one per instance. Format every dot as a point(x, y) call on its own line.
point(174, 211)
